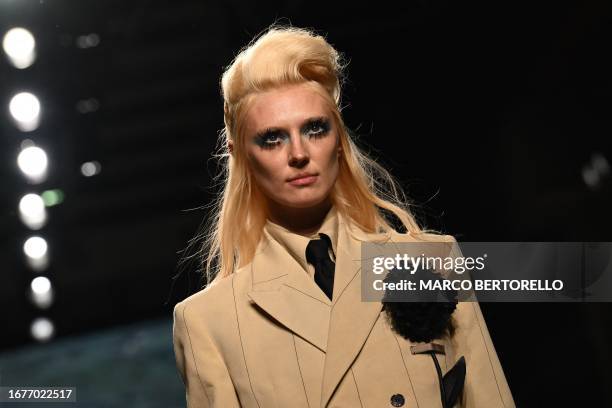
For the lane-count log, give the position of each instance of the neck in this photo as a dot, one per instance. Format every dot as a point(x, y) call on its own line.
point(302, 221)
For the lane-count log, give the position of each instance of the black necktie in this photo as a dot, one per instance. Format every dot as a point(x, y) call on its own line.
point(317, 254)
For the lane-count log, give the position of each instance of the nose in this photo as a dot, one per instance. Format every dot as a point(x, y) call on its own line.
point(298, 154)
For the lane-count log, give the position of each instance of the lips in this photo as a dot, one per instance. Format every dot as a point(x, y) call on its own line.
point(304, 180)
point(302, 175)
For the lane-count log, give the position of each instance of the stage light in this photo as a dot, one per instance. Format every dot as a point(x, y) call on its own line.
point(596, 171)
point(35, 247)
point(36, 251)
point(20, 47)
point(32, 211)
point(90, 168)
point(25, 110)
point(87, 105)
point(52, 197)
point(40, 285)
point(88, 41)
point(42, 329)
point(41, 292)
point(33, 162)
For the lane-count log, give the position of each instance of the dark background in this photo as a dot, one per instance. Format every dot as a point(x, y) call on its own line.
point(488, 112)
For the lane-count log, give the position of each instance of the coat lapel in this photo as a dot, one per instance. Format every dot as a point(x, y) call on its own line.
point(285, 291)
point(351, 319)
point(339, 328)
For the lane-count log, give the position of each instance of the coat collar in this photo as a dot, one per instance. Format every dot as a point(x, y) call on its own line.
point(338, 328)
point(295, 244)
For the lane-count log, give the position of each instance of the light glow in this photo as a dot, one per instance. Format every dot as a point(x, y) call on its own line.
point(25, 110)
point(42, 329)
point(33, 163)
point(32, 211)
point(20, 47)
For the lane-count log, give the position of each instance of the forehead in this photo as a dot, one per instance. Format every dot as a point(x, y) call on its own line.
point(284, 107)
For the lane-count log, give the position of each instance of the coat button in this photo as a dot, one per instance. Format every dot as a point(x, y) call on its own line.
point(397, 400)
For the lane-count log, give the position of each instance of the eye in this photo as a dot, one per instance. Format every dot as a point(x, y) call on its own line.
point(269, 139)
point(317, 128)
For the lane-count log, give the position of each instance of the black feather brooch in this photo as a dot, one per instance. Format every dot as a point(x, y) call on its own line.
point(426, 316)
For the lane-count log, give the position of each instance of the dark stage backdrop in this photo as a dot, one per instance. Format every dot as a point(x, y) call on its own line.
point(493, 115)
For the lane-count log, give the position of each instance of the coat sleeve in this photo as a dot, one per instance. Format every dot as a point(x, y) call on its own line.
point(485, 382)
point(200, 365)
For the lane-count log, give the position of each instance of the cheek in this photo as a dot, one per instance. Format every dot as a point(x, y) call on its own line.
point(331, 159)
point(334, 169)
point(265, 167)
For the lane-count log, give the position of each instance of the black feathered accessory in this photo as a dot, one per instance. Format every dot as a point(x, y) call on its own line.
point(428, 316)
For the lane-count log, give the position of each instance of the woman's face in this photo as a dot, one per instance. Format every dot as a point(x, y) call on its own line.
point(293, 145)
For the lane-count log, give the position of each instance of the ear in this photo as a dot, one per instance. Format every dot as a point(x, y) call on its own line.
point(230, 146)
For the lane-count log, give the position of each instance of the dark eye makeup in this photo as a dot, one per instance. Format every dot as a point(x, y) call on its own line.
point(316, 126)
point(272, 137)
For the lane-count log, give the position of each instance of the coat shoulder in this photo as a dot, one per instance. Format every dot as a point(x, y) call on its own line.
point(215, 300)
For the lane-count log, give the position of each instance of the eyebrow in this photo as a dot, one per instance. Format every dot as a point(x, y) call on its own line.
point(270, 131)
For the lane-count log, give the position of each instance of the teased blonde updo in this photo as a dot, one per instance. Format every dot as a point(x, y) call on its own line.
point(280, 56)
point(283, 56)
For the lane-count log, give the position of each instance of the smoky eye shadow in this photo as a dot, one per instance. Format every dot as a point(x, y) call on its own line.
point(321, 122)
point(261, 137)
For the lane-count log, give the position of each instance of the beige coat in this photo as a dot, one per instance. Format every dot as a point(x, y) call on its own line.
point(268, 337)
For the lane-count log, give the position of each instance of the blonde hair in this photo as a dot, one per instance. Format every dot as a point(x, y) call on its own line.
point(282, 56)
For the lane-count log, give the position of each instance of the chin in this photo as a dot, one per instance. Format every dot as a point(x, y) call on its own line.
point(303, 203)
